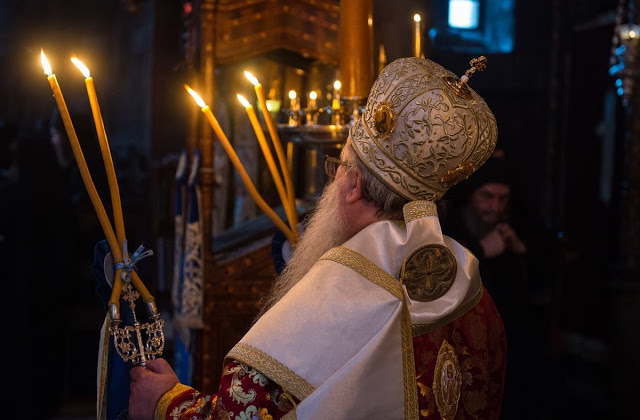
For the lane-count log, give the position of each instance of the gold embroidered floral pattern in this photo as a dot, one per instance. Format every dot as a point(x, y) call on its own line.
point(165, 400)
point(447, 381)
point(478, 341)
point(272, 369)
point(263, 414)
point(253, 397)
point(236, 391)
point(436, 130)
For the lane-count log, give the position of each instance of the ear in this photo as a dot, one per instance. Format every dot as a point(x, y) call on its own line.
point(353, 186)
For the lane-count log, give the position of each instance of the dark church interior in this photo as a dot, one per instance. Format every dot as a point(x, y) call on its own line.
point(562, 79)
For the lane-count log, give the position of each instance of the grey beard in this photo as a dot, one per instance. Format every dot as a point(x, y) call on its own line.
point(325, 230)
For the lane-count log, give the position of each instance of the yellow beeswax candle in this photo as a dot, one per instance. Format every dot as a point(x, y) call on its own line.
point(81, 162)
point(233, 157)
point(417, 36)
point(262, 141)
point(111, 177)
point(275, 138)
point(337, 85)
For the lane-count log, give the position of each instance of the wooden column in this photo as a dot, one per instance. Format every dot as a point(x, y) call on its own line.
point(356, 57)
point(203, 377)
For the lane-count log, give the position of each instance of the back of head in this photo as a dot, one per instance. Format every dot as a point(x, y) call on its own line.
point(423, 129)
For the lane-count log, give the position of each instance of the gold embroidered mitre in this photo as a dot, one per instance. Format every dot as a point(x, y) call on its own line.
point(424, 129)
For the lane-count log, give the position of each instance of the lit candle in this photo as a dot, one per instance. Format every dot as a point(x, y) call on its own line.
point(417, 47)
point(275, 138)
point(313, 95)
point(382, 59)
point(270, 162)
point(292, 98)
point(111, 176)
point(84, 170)
point(104, 148)
point(224, 141)
point(337, 85)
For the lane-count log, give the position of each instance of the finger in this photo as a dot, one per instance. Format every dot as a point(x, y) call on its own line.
point(136, 373)
point(159, 366)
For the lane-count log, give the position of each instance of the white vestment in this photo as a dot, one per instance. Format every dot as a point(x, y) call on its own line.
point(340, 341)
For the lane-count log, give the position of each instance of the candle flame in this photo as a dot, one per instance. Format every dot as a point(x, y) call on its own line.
point(251, 78)
point(313, 95)
point(45, 64)
point(80, 65)
point(337, 85)
point(417, 18)
point(243, 101)
point(292, 94)
point(195, 96)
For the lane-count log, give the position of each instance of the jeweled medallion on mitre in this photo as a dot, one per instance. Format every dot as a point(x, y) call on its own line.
point(384, 120)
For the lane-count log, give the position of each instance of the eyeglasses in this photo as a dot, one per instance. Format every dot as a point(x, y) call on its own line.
point(331, 165)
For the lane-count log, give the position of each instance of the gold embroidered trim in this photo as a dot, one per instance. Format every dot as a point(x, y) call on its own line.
point(370, 271)
point(290, 381)
point(400, 223)
point(291, 415)
point(102, 407)
point(420, 329)
point(411, 410)
point(447, 381)
point(361, 265)
point(165, 400)
point(418, 209)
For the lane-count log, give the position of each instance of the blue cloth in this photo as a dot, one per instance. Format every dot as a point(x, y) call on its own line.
point(191, 299)
point(117, 378)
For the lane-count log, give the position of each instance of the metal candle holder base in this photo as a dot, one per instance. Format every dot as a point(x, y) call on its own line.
point(128, 340)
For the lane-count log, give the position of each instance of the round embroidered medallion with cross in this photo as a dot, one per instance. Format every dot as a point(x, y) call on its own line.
point(429, 272)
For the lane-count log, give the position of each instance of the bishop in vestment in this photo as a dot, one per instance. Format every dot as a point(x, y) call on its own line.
point(377, 315)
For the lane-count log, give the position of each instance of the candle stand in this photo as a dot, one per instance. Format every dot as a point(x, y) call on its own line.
point(312, 134)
